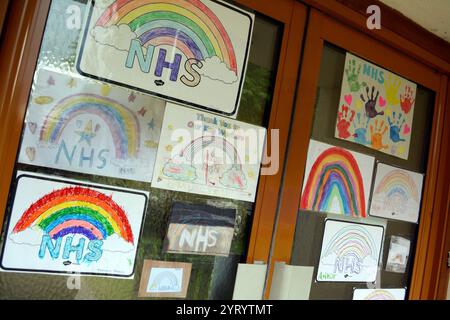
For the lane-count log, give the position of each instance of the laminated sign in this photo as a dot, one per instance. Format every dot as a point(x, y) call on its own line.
point(188, 51)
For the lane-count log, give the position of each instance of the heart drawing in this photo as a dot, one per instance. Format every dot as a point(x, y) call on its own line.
point(348, 98)
point(32, 126)
point(31, 153)
point(381, 102)
point(406, 129)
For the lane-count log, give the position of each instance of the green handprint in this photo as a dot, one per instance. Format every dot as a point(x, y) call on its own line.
point(353, 75)
point(392, 85)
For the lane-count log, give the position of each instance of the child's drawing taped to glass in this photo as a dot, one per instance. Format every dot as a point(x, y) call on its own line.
point(189, 51)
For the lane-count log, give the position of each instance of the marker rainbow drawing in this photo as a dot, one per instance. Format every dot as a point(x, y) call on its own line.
point(121, 121)
point(77, 210)
point(335, 175)
point(189, 25)
point(353, 240)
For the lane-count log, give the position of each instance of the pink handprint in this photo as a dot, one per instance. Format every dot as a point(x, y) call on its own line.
point(406, 100)
point(344, 122)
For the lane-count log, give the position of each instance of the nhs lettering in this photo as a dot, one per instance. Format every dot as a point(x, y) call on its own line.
point(64, 226)
point(190, 51)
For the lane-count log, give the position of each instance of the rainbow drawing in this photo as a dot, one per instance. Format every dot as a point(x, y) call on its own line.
point(335, 175)
point(201, 143)
point(398, 184)
point(380, 295)
point(189, 25)
point(122, 122)
point(353, 240)
point(77, 210)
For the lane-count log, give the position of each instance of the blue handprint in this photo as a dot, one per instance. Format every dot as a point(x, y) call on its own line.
point(395, 126)
point(360, 125)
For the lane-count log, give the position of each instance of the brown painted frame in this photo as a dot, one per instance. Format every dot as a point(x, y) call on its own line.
point(322, 28)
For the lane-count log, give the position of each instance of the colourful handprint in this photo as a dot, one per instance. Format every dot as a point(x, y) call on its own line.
point(406, 100)
point(395, 127)
point(344, 120)
point(360, 125)
point(377, 134)
point(353, 76)
point(392, 85)
point(371, 103)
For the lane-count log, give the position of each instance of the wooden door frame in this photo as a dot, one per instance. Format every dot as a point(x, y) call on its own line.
point(322, 28)
point(18, 57)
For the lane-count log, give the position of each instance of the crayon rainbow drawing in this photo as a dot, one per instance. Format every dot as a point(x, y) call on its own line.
point(396, 194)
point(350, 252)
point(165, 281)
point(121, 121)
point(189, 25)
point(380, 295)
point(398, 187)
point(182, 166)
point(352, 242)
point(77, 210)
point(335, 177)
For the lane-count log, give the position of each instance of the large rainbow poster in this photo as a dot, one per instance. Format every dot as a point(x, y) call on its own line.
point(66, 226)
point(207, 154)
point(396, 194)
point(350, 252)
point(191, 52)
point(81, 125)
point(336, 180)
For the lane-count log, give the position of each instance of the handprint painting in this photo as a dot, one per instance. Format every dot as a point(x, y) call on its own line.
point(376, 108)
point(192, 52)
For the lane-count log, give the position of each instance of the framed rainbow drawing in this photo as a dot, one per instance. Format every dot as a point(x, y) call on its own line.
point(207, 154)
point(396, 194)
point(336, 180)
point(66, 226)
point(350, 252)
point(80, 125)
point(191, 52)
point(379, 294)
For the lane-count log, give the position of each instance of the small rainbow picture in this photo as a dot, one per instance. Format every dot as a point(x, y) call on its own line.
point(398, 184)
point(189, 25)
point(353, 240)
point(380, 295)
point(335, 177)
point(121, 121)
point(77, 210)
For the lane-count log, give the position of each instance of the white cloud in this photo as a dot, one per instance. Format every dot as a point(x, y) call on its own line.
point(30, 236)
point(215, 69)
point(118, 37)
point(115, 243)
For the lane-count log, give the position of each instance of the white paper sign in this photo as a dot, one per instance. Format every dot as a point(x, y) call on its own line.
point(336, 180)
point(379, 294)
point(207, 154)
point(65, 226)
point(189, 51)
point(350, 252)
point(80, 125)
point(396, 194)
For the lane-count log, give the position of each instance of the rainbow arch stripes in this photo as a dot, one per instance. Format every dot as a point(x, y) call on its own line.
point(77, 210)
point(352, 240)
point(398, 182)
point(187, 24)
point(122, 122)
point(335, 175)
point(380, 295)
point(199, 144)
